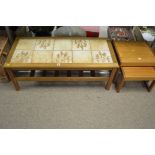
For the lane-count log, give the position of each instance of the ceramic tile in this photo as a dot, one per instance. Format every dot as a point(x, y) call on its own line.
point(62, 56)
point(42, 57)
point(99, 45)
point(26, 44)
point(63, 44)
point(80, 44)
point(22, 56)
point(44, 44)
point(82, 57)
point(101, 57)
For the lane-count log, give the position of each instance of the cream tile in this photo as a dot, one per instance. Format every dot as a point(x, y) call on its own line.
point(21, 56)
point(44, 44)
point(82, 57)
point(99, 45)
point(62, 56)
point(42, 57)
point(80, 44)
point(26, 44)
point(63, 44)
point(101, 57)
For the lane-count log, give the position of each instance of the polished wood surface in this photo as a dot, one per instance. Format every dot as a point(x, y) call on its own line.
point(134, 53)
point(138, 73)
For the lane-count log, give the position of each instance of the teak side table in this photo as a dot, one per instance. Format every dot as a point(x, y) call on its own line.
point(137, 61)
point(55, 54)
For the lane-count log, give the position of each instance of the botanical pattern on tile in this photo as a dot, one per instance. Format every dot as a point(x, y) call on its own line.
point(44, 44)
point(82, 57)
point(42, 57)
point(22, 56)
point(81, 44)
point(26, 44)
point(62, 56)
point(99, 45)
point(62, 44)
point(101, 57)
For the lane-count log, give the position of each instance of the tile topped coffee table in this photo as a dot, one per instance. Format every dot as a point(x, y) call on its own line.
point(72, 53)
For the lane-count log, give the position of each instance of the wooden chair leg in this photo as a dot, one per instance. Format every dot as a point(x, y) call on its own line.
point(108, 85)
point(13, 79)
point(120, 85)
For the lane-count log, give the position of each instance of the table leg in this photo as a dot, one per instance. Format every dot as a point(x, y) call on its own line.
point(151, 86)
point(120, 85)
point(7, 75)
point(108, 85)
point(13, 79)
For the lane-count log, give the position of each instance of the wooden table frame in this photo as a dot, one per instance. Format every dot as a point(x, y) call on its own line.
point(133, 64)
point(10, 67)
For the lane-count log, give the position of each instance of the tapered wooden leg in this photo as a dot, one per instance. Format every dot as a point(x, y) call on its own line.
point(116, 76)
point(68, 73)
point(92, 73)
point(108, 85)
point(151, 86)
point(120, 85)
point(7, 76)
point(13, 79)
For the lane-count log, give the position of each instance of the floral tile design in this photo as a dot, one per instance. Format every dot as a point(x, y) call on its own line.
point(42, 57)
point(82, 57)
point(99, 45)
point(80, 44)
point(101, 57)
point(26, 44)
point(63, 44)
point(62, 57)
point(44, 44)
point(22, 56)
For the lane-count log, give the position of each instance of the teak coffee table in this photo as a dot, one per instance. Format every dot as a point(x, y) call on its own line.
point(137, 61)
point(55, 54)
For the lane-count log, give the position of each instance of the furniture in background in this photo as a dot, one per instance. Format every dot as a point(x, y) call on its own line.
point(120, 33)
point(61, 54)
point(137, 61)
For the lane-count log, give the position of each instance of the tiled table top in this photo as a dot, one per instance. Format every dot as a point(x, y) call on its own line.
point(60, 51)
